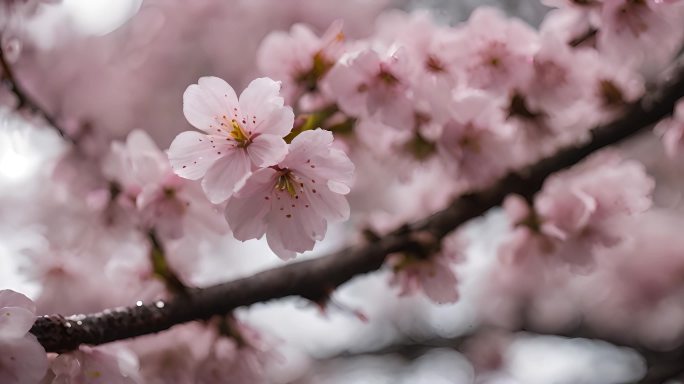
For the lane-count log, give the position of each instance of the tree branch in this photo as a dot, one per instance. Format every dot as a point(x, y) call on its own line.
point(25, 100)
point(661, 366)
point(316, 279)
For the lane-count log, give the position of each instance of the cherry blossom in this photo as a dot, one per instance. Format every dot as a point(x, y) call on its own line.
point(240, 134)
point(434, 276)
point(373, 84)
point(635, 25)
point(293, 201)
point(149, 187)
point(94, 366)
point(22, 358)
point(574, 213)
point(300, 58)
point(496, 53)
point(475, 143)
point(414, 109)
point(431, 50)
point(238, 358)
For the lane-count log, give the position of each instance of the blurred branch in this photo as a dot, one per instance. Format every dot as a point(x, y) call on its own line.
point(25, 101)
point(661, 366)
point(315, 279)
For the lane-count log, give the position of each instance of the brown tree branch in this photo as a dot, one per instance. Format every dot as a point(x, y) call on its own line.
point(25, 101)
point(661, 366)
point(316, 279)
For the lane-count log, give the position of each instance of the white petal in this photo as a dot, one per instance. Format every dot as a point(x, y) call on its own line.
point(262, 93)
point(22, 361)
point(330, 205)
point(440, 284)
point(226, 175)
point(278, 121)
point(192, 153)
point(15, 322)
point(148, 162)
point(267, 150)
point(338, 187)
point(275, 242)
point(204, 102)
point(246, 211)
point(9, 298)
point(293, 225)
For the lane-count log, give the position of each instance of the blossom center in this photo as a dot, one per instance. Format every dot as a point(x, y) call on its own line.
point(610, 94)
point(286, 182)
point(238, 134)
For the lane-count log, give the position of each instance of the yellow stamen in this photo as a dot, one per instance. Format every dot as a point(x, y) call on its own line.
point(237, 132)
point(286, 183)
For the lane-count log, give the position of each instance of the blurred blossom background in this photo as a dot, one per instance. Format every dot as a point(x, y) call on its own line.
point(119, 65)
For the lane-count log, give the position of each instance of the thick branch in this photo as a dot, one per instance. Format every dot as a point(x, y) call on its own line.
point(315, 279)
point(24, 99)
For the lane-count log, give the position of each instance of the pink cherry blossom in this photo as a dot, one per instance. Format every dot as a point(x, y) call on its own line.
point(496, 52)
point(241, 358)
point(431, 50)
point(300, 58)
point(22, 358)
point(672, 131)
point(575, 213)
point(109, 365)
point(240, 134)
point(475, 143)
point(629, 29)
point(434, 276)
point(373, 85)
point(615, 87)
point(161, 199)
point(293, 201)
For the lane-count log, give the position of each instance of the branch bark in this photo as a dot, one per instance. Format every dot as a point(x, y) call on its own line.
point(25, 100)
point(316, 279)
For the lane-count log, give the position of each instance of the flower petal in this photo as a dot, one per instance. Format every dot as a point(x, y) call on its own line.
point(9, 298)
point(15, 322)
point(267, 150)
point(440, 284)
point(246, 211)
point(192, 153)
point(22, 361)
point(279, 121)
point(226, 175)
point(262, 102)
point(207, 100)
point(330, 205)
point(262, 93)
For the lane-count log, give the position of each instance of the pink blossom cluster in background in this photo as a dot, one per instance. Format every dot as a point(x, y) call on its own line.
point(198, 127)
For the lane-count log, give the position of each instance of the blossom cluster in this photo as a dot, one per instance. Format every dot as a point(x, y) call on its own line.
point(380, 124)
point(287, 192)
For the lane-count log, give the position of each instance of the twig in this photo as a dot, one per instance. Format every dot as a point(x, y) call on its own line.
point(315, 279)
point(26, 101)
point(161, 267)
